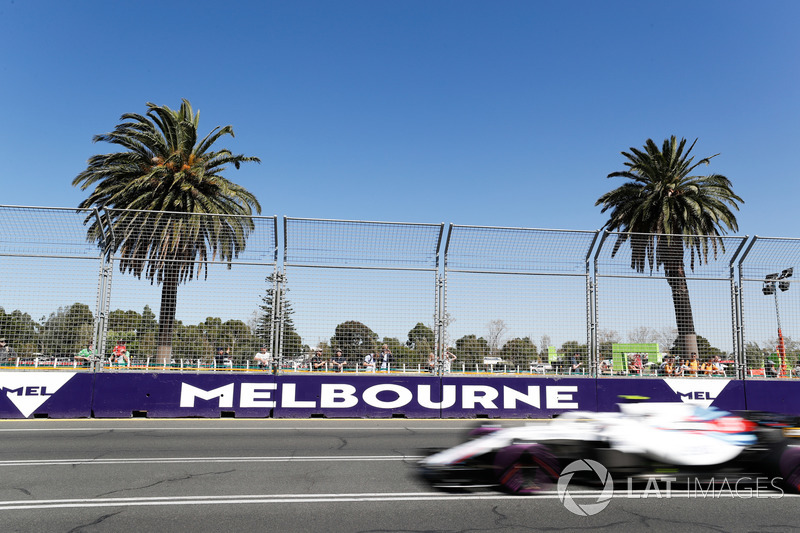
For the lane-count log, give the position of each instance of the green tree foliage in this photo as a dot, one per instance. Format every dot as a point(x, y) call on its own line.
point(519, 351)
point(573, 347)
point(68, 330)
point(137, 330)
point(355, 340)
point(471, 349)
point(165, 168)
point(20, 331)
point(664, 210)
point(570, 348)
point(401, 353)
point(421, 341)
point(292, 343)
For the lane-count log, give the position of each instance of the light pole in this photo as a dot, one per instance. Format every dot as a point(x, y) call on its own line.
point(769, 289)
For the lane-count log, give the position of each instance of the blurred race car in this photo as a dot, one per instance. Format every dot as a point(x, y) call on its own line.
point(642, 441)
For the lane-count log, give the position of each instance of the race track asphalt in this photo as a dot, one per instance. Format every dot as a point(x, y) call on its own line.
point(321, 475)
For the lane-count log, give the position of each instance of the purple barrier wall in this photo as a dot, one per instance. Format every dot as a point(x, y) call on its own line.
point(338, 395)
point(263, 395)
point(103, 395)
point(778, 396)
point(180, 395)
point(516, 397)
point(46, 394)
point(726, 394)
point(364, 396)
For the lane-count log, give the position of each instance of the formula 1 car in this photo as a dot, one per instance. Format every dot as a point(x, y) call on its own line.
point(643, 441)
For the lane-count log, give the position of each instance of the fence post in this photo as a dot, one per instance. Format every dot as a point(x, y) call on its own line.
point(103, 302)
point(440, 326)
point(274, 327)
point(591, 312)
point(741, 357)
point(595, 261)
point(736, 314)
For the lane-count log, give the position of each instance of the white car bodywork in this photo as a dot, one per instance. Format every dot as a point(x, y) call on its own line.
point(672, 433)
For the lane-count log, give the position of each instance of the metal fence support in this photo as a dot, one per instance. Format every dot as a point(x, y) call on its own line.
point(500, 295)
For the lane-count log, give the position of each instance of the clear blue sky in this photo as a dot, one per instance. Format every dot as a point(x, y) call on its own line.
point(492, 113)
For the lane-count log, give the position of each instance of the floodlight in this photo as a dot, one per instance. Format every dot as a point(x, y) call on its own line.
point(769, 284)
point(786, 274)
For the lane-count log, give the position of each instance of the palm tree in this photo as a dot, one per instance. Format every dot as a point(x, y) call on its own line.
point(168, 207)
point(665, 210)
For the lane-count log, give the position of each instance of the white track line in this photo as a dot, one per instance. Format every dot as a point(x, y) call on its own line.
point(314, 498)
point(161, 460)
point(234, 428)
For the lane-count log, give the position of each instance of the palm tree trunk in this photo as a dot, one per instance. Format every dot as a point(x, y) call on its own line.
point(166, 316)
point(684, 319)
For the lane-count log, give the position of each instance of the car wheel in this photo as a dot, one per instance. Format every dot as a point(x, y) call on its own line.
point(790, 470)
point(526, 469)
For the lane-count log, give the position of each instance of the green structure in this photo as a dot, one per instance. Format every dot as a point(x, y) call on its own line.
point(622, 353)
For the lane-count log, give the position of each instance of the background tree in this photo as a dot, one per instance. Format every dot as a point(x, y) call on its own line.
point(497, 330)
point(401, 353)
point(665, 210)
point(291, 342)
point(68, 330)
point(355, 340)
point(544, 344)
point(569, 348)
point(665, 336)
point(641, 335)
point(192, 340)
point(158, 190)
point(137, 330)
point(471, 349)
point(606, 338)
point(519, 351)
point(705, 350)
point(20, 331)
point(421, 339)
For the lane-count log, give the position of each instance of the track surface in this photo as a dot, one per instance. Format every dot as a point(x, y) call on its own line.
point(301, 475)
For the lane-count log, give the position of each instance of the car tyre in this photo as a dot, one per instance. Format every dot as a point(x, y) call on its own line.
point(790, 470)
point(526, 469)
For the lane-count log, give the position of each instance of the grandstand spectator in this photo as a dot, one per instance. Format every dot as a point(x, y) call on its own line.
point(667, 367)
point(692, 367)
point(575, 364)
point(369, 362)
point(219, 359)
point(447, 360)
point(385, 357)
point(717, 367)
point(263, 358)
point(769, 369)
point(86, 355)
point(120, 353)
point(635, 364)
point(338, 361)
point(317, 362)
point(7, 353)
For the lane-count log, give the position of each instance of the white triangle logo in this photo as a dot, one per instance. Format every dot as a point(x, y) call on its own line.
point(697, 391)
point(29, 390)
